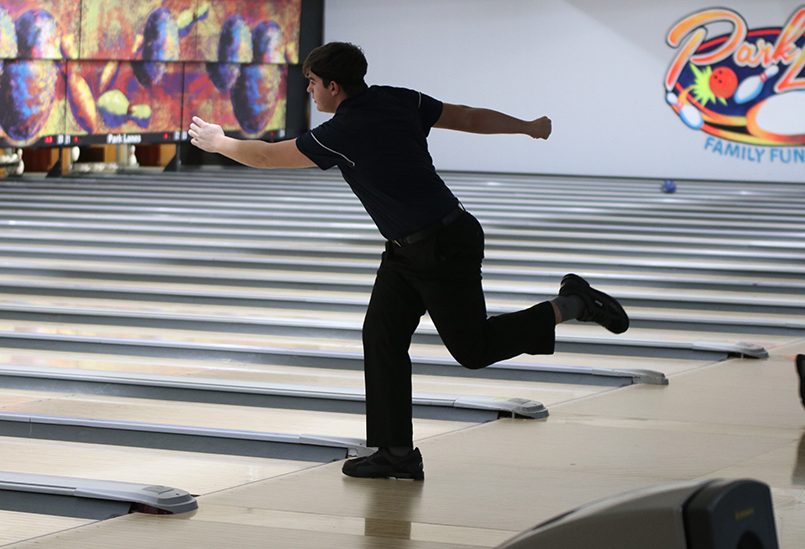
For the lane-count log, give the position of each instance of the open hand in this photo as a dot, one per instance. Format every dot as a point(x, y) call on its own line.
point(204, 135)
point(540, 128)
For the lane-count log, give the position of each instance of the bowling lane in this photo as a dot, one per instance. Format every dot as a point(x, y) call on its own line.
point(191, 414)
point(195, 472)
point(256, 375)
point(263, 317)
point(254, 267)
point(729, 226)
point(498, 232)
point(274, 195)
point(257, 343)
point(16, 527)
point(538, 290)
point(352, 244)
point(294, 252)
point(93, 259)
point(163, 337)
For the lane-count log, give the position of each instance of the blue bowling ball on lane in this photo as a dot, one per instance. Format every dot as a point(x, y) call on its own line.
point(668, 186)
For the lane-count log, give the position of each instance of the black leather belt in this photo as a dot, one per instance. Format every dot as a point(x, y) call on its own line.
point(431, 230)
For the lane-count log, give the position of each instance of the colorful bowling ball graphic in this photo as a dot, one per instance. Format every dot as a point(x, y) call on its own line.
point(267, 42)
point(255, 96)
point(37, 36)
point(8, 36)
point(235, 41)
point(223, 75)
point(723, 82)
point(114, 108)
point(26, 94)
point(160, 43)
point(82, 103)
point(234, 47)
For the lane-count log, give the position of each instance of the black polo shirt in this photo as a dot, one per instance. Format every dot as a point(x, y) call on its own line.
point(378, 139)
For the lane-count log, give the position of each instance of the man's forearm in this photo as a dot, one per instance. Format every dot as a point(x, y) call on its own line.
point(489, 121)
point(250, 152)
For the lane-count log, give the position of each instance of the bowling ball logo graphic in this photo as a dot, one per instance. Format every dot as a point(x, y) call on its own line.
point(160, 43)
point(234, 47)
point(723, 82)
point(739, 90)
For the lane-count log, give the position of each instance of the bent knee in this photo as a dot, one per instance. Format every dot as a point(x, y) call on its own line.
point(472, 362)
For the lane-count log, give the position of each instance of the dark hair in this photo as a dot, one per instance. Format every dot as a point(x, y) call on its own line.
point(341, 62)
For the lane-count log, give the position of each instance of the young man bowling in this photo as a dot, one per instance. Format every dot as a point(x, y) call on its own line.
point(432, 262)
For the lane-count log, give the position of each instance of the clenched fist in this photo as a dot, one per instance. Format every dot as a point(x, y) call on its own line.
point(540, 128)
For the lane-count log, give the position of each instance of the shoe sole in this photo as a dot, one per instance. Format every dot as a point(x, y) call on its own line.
point(403, 476)
point(606, 302)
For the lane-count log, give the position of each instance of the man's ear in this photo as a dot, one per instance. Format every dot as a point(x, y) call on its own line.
point(334, 88)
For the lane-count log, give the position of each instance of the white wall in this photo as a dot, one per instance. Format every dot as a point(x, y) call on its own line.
point(595, 67)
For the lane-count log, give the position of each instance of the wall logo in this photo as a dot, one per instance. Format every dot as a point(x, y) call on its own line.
point(746, 86)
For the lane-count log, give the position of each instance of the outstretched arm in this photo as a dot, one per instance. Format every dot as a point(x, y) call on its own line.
point(251, 152)
point(475, 120)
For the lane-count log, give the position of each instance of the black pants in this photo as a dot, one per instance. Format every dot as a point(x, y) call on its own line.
point(440, 275)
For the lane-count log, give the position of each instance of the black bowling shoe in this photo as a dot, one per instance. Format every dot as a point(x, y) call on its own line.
point(598, 306)
point(383, 464)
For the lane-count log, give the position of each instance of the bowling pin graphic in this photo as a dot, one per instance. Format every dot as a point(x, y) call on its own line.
point(752, 86)
point(689, 114)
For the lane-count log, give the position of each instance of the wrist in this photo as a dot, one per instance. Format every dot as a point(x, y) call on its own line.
point(220, 143)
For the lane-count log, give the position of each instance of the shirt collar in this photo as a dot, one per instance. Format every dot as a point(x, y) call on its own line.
point(352, 100)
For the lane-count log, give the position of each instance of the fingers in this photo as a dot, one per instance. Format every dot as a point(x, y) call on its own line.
point(541, 128)
point(546, 127)
point(196, 126)
point(199, 133)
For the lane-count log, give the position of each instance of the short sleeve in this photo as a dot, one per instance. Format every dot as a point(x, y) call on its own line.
point(430, 110)
point(321, 145)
